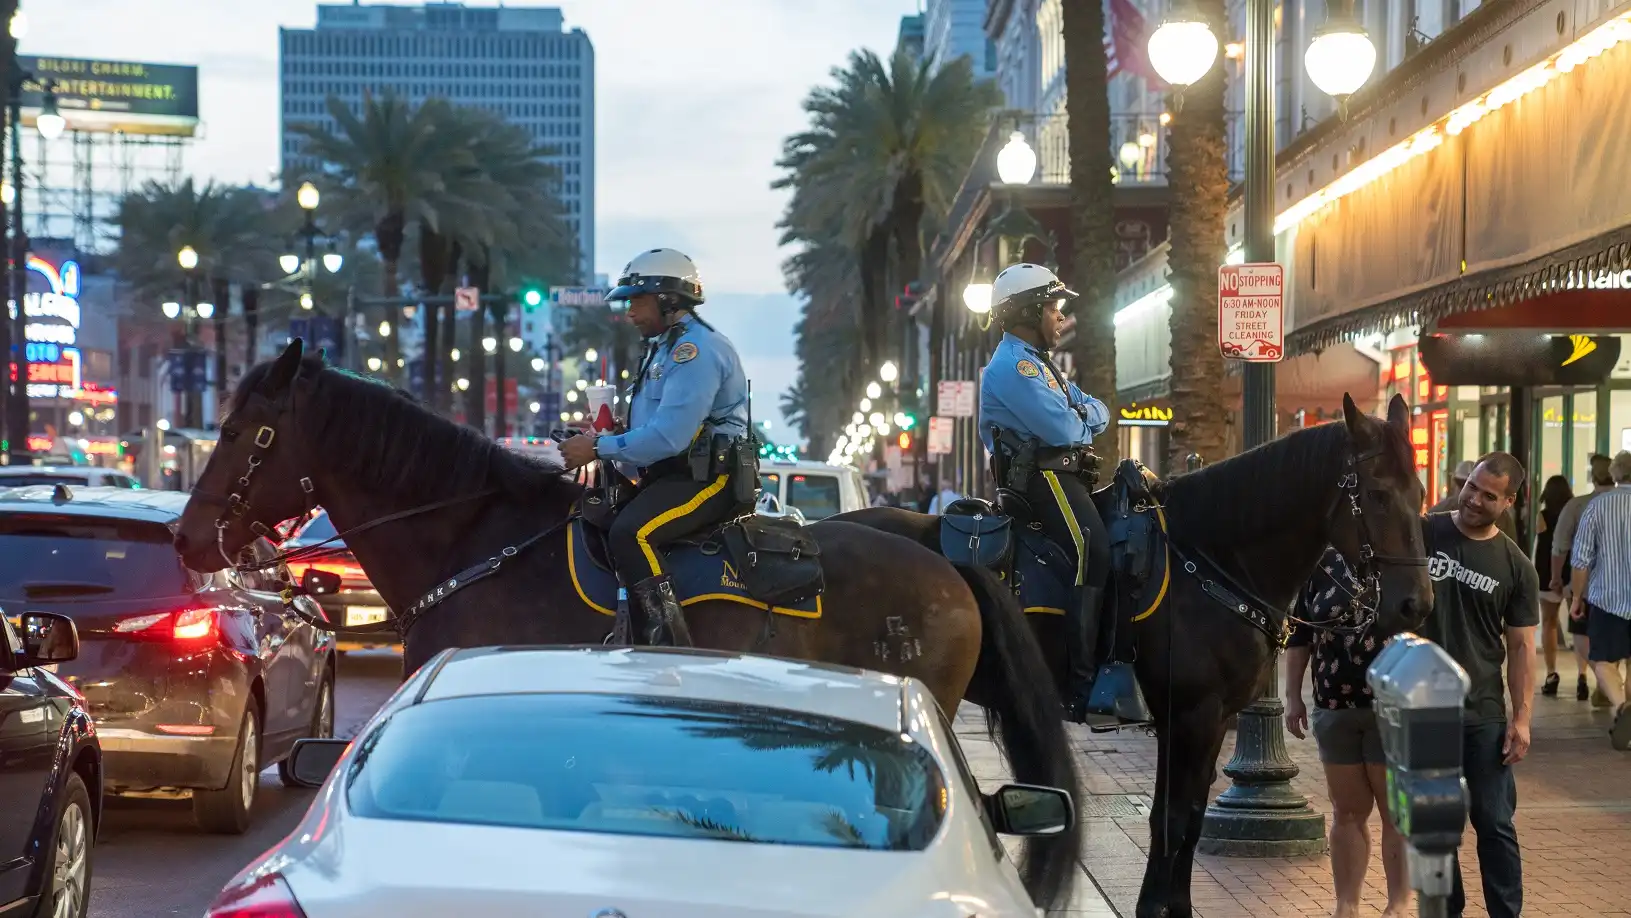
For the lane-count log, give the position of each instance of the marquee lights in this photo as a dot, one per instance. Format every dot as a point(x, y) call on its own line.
point(1587, 47)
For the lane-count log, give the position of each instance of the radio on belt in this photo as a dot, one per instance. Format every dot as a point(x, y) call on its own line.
point(1419, 697)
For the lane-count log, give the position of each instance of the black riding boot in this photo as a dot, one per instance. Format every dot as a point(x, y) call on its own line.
point(660, 612)
point(1103, 697)
point(1081, 651)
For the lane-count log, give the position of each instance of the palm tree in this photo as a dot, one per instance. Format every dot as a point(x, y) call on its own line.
point(389, 162)
point(1198, 175)
point(876, 171)
point(1092, 218)
point(236, 233)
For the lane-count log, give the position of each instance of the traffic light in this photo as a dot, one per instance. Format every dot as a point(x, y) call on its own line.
point(904, 440)
point(906, 421)
point(531, 298)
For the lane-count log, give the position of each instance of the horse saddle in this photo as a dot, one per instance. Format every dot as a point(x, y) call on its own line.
point(772, 560)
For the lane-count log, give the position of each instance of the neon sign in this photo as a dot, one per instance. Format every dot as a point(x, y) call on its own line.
point(59, 302)
point(60, 378)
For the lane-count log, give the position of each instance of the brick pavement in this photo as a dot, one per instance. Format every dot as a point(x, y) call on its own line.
point(1574, 825)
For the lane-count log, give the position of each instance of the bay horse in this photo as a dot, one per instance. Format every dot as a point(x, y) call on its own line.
point(423, 502)
point(1264, 518)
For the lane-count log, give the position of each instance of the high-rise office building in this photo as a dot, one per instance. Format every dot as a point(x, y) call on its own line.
point(519, 63)
point(910, 38)
point(955, 28)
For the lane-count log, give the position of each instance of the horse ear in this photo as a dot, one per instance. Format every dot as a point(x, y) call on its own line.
point(1398, 415)
point(283, 372)
point(1351, 414)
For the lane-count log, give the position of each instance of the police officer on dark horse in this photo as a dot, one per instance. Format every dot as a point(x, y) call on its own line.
point(1039, 429)
point(686, 440)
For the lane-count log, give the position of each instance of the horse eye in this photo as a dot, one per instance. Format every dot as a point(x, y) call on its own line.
point(229, 435)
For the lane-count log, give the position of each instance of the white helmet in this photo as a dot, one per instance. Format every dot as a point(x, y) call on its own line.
point(668, 273)
point(1020, 291)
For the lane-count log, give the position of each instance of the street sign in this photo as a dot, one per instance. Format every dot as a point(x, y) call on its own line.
point(579, 296)
point(955, 398)
point(1251, 312)
point(320, 333)
point(940, 435)
point(189, 370)
point(466, 299)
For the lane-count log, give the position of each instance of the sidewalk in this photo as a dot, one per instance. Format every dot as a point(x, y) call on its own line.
point(1574, 824)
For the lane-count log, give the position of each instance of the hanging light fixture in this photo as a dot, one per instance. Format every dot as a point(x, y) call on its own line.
point(1341, 57)
point(1183, 48)
point(1016, 162)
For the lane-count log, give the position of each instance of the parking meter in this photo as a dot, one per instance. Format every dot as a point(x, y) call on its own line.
point(1419, 695)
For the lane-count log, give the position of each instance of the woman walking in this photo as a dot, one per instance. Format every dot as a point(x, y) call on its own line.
point(1345, 730)
point(1553, 497)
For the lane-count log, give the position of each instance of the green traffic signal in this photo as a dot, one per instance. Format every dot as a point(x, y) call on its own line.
point(907, 422)
point(532, 296)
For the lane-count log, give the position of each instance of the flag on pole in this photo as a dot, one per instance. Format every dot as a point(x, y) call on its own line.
point(1125, 36)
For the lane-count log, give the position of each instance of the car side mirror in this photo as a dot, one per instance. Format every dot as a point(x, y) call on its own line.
point(1029, 809)
point(47, 638)
point(311, 760)
point(318, 582)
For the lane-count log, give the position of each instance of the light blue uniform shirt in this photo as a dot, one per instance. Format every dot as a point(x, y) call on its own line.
point(1018, 392)
point(696, 378)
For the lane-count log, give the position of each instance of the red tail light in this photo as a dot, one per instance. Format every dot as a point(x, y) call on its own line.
point(191, 626)
point(267, 897)
point(297, 569)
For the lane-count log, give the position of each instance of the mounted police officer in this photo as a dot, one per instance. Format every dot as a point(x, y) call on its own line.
point(686, 439)
point(1039, 428)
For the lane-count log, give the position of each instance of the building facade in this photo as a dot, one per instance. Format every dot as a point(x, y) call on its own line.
point(519, 63)
point(910, 37)
point(1462, 238)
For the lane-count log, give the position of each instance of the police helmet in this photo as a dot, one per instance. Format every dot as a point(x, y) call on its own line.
point(1020, 292)
point(667, 273)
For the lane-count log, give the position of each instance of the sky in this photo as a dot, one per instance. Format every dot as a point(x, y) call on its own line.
point(694, 98)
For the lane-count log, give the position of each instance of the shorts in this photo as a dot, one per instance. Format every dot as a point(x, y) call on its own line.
point(1610, 636)
point(1576, 625)
point(1347, 736)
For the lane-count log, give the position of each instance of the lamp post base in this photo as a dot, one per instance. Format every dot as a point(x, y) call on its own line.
point(1260, 815)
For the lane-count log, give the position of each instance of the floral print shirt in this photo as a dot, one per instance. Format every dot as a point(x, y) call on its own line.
point(1339, 661)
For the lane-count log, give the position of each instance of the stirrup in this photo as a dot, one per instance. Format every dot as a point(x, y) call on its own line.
point(1116, 700)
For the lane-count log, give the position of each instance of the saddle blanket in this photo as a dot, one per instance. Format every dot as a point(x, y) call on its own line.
point(1046, 577)
point(699, 576)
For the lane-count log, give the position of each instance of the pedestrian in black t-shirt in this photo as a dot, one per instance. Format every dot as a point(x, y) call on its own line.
point(1486, 603)
point(1345, 731)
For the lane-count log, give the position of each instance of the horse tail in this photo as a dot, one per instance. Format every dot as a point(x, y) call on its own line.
point(1024, 715)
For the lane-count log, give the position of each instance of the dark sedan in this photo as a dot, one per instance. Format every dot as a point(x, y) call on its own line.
point(356, 602)
point(50, 773)
point(196, 681)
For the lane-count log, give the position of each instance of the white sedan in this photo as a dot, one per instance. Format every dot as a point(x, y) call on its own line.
point(603, 783)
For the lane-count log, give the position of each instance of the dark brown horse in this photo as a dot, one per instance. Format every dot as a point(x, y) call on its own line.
point(299, 434)
point(1265, 518)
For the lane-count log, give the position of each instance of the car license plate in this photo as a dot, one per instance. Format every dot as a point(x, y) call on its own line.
point(364, 615)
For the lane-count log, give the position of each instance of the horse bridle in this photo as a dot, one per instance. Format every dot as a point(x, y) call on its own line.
point(1366, 568)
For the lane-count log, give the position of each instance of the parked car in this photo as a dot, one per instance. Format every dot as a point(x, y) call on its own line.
point(634, 774)
point(91, 476)
point(817, 489)
point(356, 602)
point(50, 772)
point(196, 682)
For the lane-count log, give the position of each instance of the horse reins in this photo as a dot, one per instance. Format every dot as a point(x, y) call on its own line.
point(236, 502)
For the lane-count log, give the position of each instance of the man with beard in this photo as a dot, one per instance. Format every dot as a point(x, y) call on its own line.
point(1486, 603)
point(1507, 522)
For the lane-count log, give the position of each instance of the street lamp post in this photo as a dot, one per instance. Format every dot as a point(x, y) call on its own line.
point(1260, 814)
point(193, 396)
point(17, 413)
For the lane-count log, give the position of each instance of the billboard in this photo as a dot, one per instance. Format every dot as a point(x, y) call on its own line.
point(1518, 359)
point(128, 96)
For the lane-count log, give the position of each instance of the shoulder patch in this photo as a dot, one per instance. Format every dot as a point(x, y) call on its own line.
point(1027, 368)
point(685, 352)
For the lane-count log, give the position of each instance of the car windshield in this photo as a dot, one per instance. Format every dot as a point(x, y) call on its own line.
point(635, 765)
point(49, 556)
point(816, 496)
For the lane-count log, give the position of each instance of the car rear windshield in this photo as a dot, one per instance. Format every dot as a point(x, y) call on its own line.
point(636, 765)
point(816, 496)
point(49, 556)
point(23, 481)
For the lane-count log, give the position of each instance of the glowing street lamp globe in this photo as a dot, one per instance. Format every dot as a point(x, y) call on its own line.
point(308, 196)
point(289, 263)
point(1183, 48)
point(977, 297)
point(1016, 162)
point(187, 258)
point(889, 372)
point(873, 390)
point(1340, 58)
point(332, 261)
point(171, 309)
point(537, 364)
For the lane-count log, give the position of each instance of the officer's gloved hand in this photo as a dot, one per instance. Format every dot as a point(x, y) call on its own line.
point(1090, 467)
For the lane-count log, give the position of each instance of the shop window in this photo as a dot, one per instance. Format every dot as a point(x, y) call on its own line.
point(1586, 419)
point(1549, 459)
point(1620, 419)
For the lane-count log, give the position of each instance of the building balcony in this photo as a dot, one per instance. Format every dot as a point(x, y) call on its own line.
point(1138, 146)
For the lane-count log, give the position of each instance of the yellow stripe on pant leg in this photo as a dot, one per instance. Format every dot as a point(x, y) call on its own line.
point(643, 535)
point(1070, 523)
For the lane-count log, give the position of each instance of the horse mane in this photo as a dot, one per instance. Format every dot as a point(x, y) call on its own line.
point(1251, 496)
point(383, 438)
